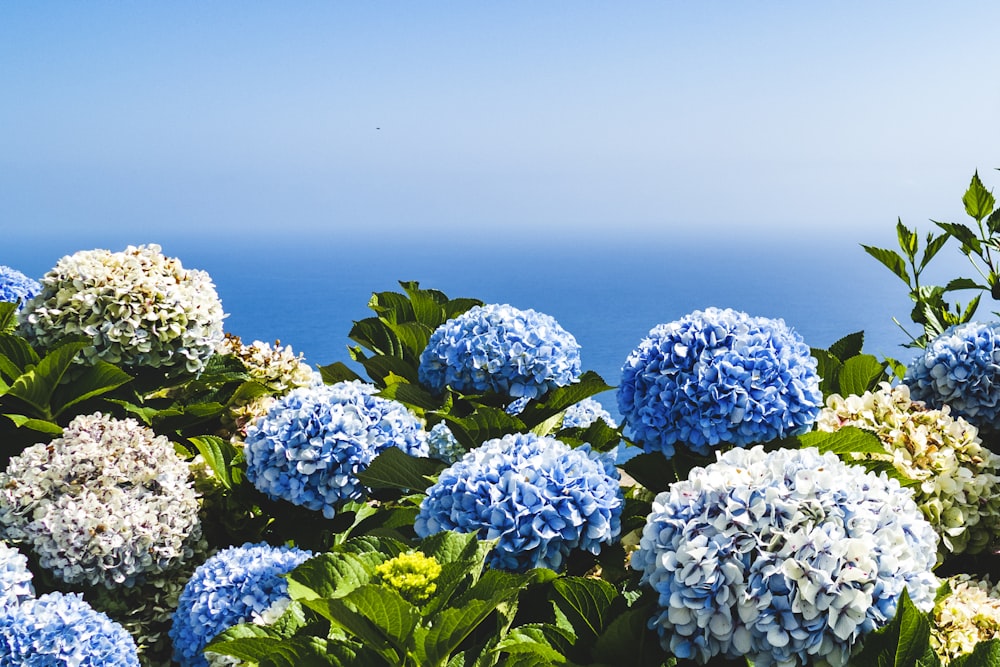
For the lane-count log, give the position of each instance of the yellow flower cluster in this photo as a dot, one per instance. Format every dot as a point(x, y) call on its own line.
point(412, 575)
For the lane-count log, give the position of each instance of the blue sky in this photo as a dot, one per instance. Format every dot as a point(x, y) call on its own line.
point(476, 120)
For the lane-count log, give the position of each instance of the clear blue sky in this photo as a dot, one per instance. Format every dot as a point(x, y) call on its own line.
point(481, 118)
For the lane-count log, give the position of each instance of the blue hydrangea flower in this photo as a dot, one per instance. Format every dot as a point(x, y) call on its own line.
point(15, 286)
point(585, 413)
point(500, 348)
point(442, 445)
point(961, 369)
point(15, 577)
point(785, 557)
point(62, 629)
point(313, 441)
point(537, 495)
point(718, 377)
point(234, 586)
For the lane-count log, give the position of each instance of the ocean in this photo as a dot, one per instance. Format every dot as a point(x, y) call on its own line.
point(607, 292)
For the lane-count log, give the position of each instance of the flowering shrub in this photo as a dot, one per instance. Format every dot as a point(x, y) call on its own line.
point(540, 498)
point(139, 308)
point(967, 615)
point(15, 578)
point(62, 629)
point(15, 286)
point(313, 442)
point(519, 353)
point(718, 377)
point(961, 368)
point(959, 486)
point(235, 585)
point(788, 557)
point(585, 413)
point(105, 504)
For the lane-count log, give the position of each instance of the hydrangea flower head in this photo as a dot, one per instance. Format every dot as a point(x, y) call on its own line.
point(961, 369)
point(442, 444)
point(15, 286)
point(958, 478)
point(786, 557)
point(62, 629)
point(586, 412)
point(105, 504)
point(538, 496)
point(412, 575)
point(309, 448)
point(234, 586)
point(496, 347)
point(967, 615)
point(139, 307)
point(718, 377)
point(15, 577)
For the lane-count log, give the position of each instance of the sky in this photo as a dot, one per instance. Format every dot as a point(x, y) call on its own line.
point(504, 121)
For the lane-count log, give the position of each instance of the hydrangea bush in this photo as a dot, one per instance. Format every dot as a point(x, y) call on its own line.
point(105, 504)
point(961, 369)
point(15, 286)
point(958, 479)
point(718, 377)
point(496, 347)
point(788, 557)
point(235, 585)
point(540, 498)
point(139, 307)
point(585, 413)
point(309, 448)
point(62, 629)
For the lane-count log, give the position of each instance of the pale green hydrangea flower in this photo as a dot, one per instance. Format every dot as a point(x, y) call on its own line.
point(412, 575)
point(959, 479)
point(969, 614)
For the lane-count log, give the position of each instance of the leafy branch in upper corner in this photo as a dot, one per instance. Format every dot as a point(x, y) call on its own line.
point(932, 310)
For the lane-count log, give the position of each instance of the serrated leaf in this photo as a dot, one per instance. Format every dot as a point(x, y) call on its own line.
point(964, 235)
point(628, 634)
point(413, 335)
point(903, 642)
point(94, 380)
point(328, 575)
point(259, 648)
point(386, 609)
point(449, 546)
point(532, 640)
point(411, 395)
point(391, 306)
point(963, 283)
point(219, 455)
point(343, 615)
point(40, 425)
point(586, 602)
point(907, 240)
point(934, 245)
point(375, 335)
point(393, 468)
point(848, 346)
point(652, 470)
point(859, 374)
point(380, 367)
point(18, 352)
point(8, 315)
point(456, 307)
point(433, 644)
point(35, 387)
point(337, 372)
point(484, 424)
point(845, 440)
point(891, 260)
point(828, 368)
point(560, 398)
point(978, 200)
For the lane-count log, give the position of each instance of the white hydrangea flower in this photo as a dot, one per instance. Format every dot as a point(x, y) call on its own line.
point(139, 307)
point(969, 614)
point(277, 367)
point(106, 504)
point(959, 478)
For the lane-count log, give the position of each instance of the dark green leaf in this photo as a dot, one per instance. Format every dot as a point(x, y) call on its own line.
point(861, 373)
point(652, 470)
point(993, 222)
point(449, 547)
point(395, 469)
point(376, 336)
point(628, 634)
point(259, 648)
point(412, 395)
point(386, 610)
point(219, 455)
point(484, 424)
point(934, 244)
point(891, 260)
point(40, 425)
point(36, 386)
point(18, 352)
point(337, 372)
point(848, 346)
point(382, 367)
point(533, 640)
point(94, 380)
point(8, 316)
point(963, 283)
point(586, 602)
point(828, 368)
point(329, 575)
point(970, 242)
point(978, 200)
point(392, 307)
point(560, 398)
point(456, 307)
point(903, 642)
point(345, 616)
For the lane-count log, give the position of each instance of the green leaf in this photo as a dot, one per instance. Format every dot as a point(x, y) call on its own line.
point(985, 654)
point(395, 469)
point(484, 424)
point(337, 372)
point(36, 386)
point(586, 602)
point(848, 346)
point(845, 440)
point(8, 316)
point(94, 380)
point(17, 354)
point(993, 222)
point(219, 455)
point(903, 642)
point(907, 240)
point(560, 398)
point(433, 644)
point(828, 368)
point(860, 373)
point(978, 200)
point(535, 641)
point(934, 244)
point(387, 610)
point(257, 647)
point(376, 336)
point(40, 425)
point(456, 307)
point(970, 242)
point(652, 470)
point(963, 283)
point(328, 575)
point(449, 546)
point(344, 615)
point(628, 634)
point(891, 260)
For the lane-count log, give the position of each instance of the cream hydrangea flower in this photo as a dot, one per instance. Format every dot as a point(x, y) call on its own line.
point(969, 614)
point(139, 307)
point(106, 504)
point(958, 478)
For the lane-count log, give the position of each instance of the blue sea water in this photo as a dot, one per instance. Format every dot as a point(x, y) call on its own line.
point(608, 292)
